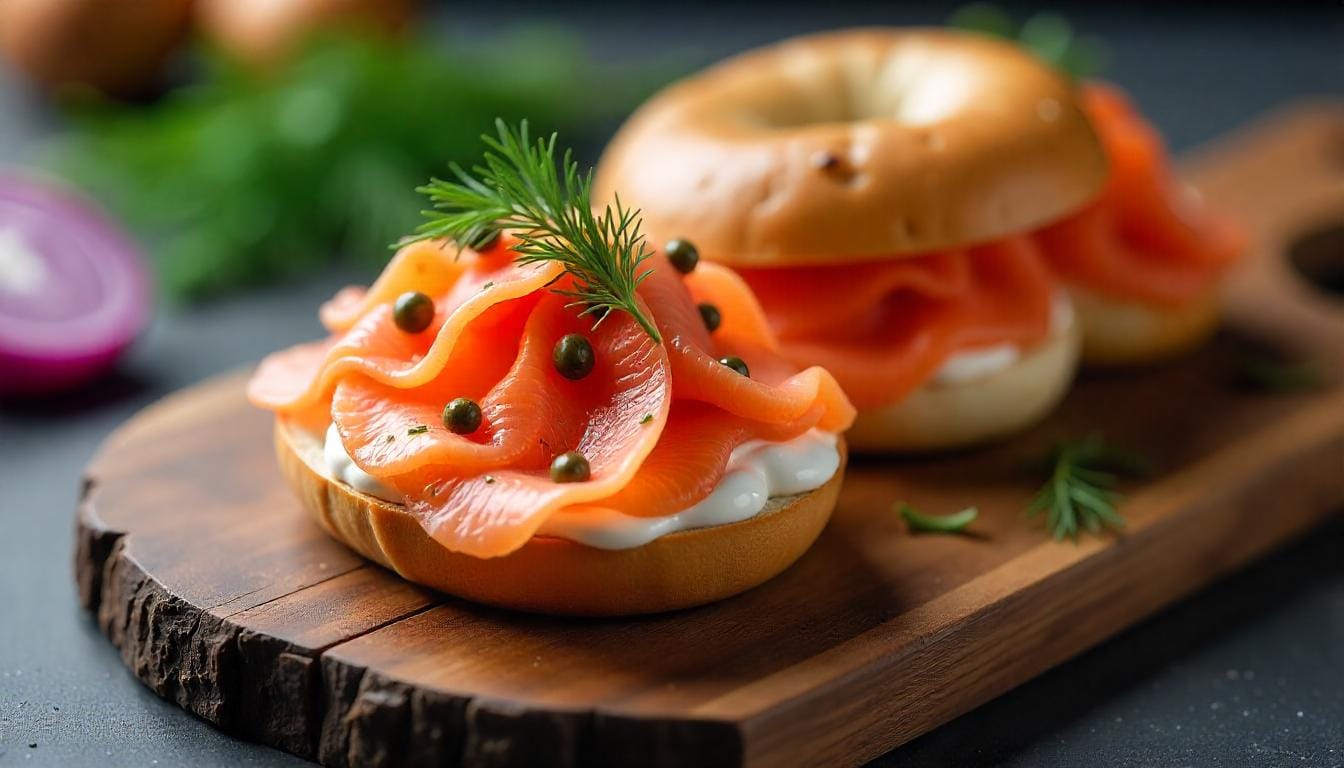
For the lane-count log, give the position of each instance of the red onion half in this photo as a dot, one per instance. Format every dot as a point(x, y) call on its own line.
point(73, 291)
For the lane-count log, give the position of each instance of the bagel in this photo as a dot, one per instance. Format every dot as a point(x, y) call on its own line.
point(863, 149)
point(857, 145)
point(1117, 332)
point(940, 416)
point(557, 576)
point(263, 33)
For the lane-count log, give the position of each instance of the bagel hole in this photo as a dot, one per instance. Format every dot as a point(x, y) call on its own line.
point(911, 88)
point(1318, 257)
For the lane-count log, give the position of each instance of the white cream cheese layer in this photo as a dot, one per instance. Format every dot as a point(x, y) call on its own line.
point(341, 467)
point(972, 364)
point(756, 471)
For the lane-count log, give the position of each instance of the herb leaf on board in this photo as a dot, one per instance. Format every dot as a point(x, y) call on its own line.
point(1079, 494)
point(920, 522)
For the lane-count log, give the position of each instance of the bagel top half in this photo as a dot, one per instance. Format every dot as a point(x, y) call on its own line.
point(856, 145)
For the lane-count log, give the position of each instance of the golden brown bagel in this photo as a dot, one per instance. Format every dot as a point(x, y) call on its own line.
point(857, 145)
point(1117, 332)
point(940, 416)
point(113, 46)
point(263, 32)
point(550, 575)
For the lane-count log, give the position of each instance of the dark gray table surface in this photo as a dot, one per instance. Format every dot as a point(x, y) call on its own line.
point(1249, 672)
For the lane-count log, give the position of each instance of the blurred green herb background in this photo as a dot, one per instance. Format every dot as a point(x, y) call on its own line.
point(1048, 35)
point(247, 176)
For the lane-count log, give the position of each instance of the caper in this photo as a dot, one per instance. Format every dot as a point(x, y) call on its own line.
point(462, 416)
point(570, 467)
point(712, 317)
point(736, 363)
point(573, 356)
point(682, 254)
point(413, 312)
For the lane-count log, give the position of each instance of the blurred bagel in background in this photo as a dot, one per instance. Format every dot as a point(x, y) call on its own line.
point(115, 47)
point(857, 145)
point(263, 32)
point(877, 190)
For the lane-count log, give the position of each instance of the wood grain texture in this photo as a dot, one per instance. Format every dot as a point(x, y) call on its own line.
point(223, 597)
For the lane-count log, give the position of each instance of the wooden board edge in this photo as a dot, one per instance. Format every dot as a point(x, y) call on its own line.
point(94, 545)
point(374, 719)
point(201, 662)
point(1309, 116)
point(226, 669)
point(1073, 596)
point(196, 657)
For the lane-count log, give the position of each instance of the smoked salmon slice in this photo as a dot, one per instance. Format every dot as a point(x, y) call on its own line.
point(1146, 238)
point(883, 328)
point(657, 422)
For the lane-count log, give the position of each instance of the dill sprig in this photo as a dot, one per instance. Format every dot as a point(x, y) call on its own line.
point(519, 187)
point(1080, 494)
point(920, 522)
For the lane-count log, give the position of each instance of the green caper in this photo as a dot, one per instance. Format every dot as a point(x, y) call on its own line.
point(413, 311)
point(682, 254)
point(712, 317)
point(570, 467)
point(462, 416)
point(736, 363)
point(573, 356)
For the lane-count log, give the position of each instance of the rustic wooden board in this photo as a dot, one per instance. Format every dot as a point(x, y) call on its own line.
point(223, 597)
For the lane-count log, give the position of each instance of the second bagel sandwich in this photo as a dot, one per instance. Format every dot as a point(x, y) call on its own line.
point(876, 189)
point(895, 198)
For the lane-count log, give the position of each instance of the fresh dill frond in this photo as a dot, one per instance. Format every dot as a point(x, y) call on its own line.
point(1080, 494)
point(921, 523)
point(548, 206)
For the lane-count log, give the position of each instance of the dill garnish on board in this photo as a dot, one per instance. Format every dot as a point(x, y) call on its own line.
point(548, 206)
point(1080, 491)
point(919, 522)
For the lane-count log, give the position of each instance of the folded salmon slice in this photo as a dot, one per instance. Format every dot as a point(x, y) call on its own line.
point(884, 328)
point(656, 422)
point(1146, 238)
point(367, 340)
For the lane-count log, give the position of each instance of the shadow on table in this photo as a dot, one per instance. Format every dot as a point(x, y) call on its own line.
point(113, 388)
point(1051, 703)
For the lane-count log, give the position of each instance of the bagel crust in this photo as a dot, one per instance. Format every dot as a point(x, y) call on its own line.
point(556, 576)
point(937, 417)
point(857, 145)
point(1119, 332)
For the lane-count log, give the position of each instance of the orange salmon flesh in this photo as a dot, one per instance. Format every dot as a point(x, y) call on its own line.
point(656, 422)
